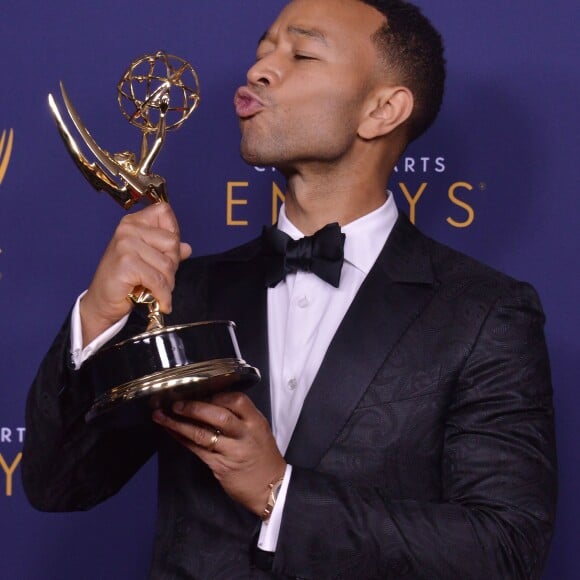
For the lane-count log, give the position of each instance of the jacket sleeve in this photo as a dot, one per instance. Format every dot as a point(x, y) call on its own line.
point(68, 464)
point(495, 516)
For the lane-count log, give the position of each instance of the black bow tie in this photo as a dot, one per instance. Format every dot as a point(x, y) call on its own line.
point(322, 254)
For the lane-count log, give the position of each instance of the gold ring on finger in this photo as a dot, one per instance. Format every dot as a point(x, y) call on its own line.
point(213, 441)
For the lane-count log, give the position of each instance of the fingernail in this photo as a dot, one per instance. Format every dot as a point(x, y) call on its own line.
point(178, 407)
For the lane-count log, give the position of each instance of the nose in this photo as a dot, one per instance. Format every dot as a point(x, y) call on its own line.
point(264, 72)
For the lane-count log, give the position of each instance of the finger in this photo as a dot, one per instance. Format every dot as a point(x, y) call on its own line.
point(157, 215)
point(207, 456)
point(200, 436)
point(166, 218)
point(131, 270)
point(163, 241)
point(185, 250)
point(161, 216)
point(157, 270)
point(237, 403)
point(215, 416)
point(132, 235)
point(146, 256)
point(123, 273)
point(163, 262)
point(158, 219)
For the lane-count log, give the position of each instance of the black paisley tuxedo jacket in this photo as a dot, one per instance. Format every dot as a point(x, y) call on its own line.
point(425, 447)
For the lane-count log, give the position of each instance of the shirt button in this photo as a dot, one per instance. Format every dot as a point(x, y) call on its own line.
point(292, 384)
point(304, 302)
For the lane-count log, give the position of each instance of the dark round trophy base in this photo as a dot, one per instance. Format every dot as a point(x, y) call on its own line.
point(156, 368)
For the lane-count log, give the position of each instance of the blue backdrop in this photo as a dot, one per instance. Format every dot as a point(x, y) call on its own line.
point(495, 178)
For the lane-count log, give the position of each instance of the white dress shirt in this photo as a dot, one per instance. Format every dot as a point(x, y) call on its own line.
point(304, 313)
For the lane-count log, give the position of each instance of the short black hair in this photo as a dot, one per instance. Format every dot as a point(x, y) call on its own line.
point(413, 49)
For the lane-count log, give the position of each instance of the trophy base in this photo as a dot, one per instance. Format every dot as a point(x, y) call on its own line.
point(154, 369)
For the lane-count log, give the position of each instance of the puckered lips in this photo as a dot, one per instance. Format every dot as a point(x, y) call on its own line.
point(247, 103)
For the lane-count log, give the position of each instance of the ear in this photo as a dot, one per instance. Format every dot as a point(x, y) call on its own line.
point(388, 109)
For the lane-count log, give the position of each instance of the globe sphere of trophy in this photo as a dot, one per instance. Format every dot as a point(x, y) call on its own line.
point(157, 93)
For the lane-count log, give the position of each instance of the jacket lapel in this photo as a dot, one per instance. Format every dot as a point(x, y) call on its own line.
point(237, 292)
point(394, 293)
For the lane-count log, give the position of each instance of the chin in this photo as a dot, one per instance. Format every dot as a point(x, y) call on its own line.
point(264, 153)
point(253, 156)
point(250, 158)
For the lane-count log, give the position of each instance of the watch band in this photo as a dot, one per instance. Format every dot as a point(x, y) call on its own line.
point(272, 497)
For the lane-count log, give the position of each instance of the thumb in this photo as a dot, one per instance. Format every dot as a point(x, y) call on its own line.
point(185, 250)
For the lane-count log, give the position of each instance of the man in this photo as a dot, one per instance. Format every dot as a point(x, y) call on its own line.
point(403, 427)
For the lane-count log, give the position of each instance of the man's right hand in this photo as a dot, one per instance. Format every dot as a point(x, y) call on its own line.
point(145, 250)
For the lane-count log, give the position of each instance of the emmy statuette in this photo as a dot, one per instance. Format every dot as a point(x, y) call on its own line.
point(156, 94)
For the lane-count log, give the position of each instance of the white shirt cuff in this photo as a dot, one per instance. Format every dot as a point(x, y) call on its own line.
point(270, 530)
point(79, 354)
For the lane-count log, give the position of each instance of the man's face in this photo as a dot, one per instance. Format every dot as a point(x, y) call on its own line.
point(306, 92)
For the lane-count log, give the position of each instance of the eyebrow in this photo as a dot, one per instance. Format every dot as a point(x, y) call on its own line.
point(294, 30)
point(312, 33)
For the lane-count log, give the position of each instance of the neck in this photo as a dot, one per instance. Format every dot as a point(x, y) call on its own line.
point(316, 196)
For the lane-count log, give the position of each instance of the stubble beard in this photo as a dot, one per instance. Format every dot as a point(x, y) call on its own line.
point(289, 146)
